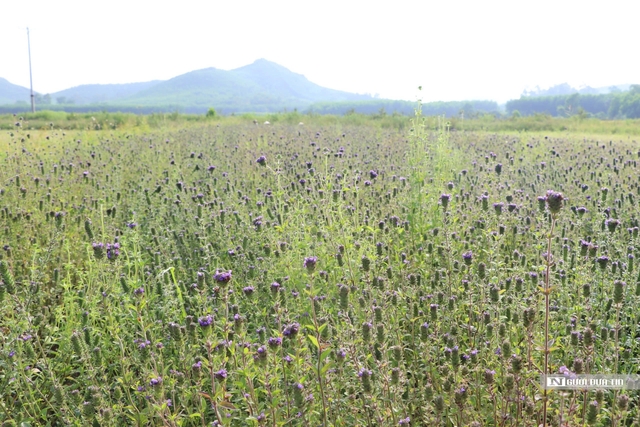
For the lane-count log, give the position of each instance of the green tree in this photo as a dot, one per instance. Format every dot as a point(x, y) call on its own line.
point(614, 107)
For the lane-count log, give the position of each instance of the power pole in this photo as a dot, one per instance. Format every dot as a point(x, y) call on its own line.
point(33, 98)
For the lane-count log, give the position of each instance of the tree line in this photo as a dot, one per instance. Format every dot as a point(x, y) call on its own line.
point(617, 105)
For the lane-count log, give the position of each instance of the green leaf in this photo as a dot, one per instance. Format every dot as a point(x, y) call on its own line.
point(326, 367)
point(314, 341)
point(227, 405)
point(324, 354)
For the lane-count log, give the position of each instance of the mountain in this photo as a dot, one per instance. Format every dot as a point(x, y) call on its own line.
point(262, 86)
point(274, 78)
point(258, 87)
point(198, 89)
point(97, 94)
point(10, 93)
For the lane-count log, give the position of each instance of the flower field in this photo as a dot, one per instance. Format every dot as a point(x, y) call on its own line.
point(228, 273)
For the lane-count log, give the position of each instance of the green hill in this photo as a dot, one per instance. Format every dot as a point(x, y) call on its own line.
point(198, 90)
point(276, 79)
point(96, 94)
point(262, 86)
point(258, 87)
point(10, 93)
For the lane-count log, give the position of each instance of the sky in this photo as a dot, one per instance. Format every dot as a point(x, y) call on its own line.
point(454, 50)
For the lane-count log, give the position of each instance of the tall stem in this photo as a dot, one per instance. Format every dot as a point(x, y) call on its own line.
point(547, 292)
point(319, 366)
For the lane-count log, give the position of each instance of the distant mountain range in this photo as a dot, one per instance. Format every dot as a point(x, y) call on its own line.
point(263, 86)
point(566, 89)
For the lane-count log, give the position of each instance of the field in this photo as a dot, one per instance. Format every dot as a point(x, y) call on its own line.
point(345, 271)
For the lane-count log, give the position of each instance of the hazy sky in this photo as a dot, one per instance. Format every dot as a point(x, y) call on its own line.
point(467, 49)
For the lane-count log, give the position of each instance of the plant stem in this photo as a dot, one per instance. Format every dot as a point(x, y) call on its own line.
point(547, 292)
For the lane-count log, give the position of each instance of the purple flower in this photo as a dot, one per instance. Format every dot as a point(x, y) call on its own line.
point(542, 200)
point(612, 224)
point(197, 365)
point(262, 161)
point(291, 330)
point(566, 372)
point(275, 287)
point(554, 201)
point(373, 174)
point(248, 290)
point(444, 199)
point(467, 257)
point(364, 373)
point(603, 261)
point(205, 321)
point(222, 277)
point(155, 381)
point(113, 250)
point(98, 249)
point(310, 263)
point(274, 341)
point(221, 375)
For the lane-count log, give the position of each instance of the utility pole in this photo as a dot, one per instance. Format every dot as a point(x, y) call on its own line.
point(33, 98)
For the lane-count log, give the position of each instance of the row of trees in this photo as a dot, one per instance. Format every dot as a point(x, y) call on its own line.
point(384, 106)
point(617, 105)
point(47, 100)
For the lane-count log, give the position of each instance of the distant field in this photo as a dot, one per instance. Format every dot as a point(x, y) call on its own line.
point(354, 270)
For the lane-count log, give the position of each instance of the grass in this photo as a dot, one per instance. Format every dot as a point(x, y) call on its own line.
point(366, 271)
